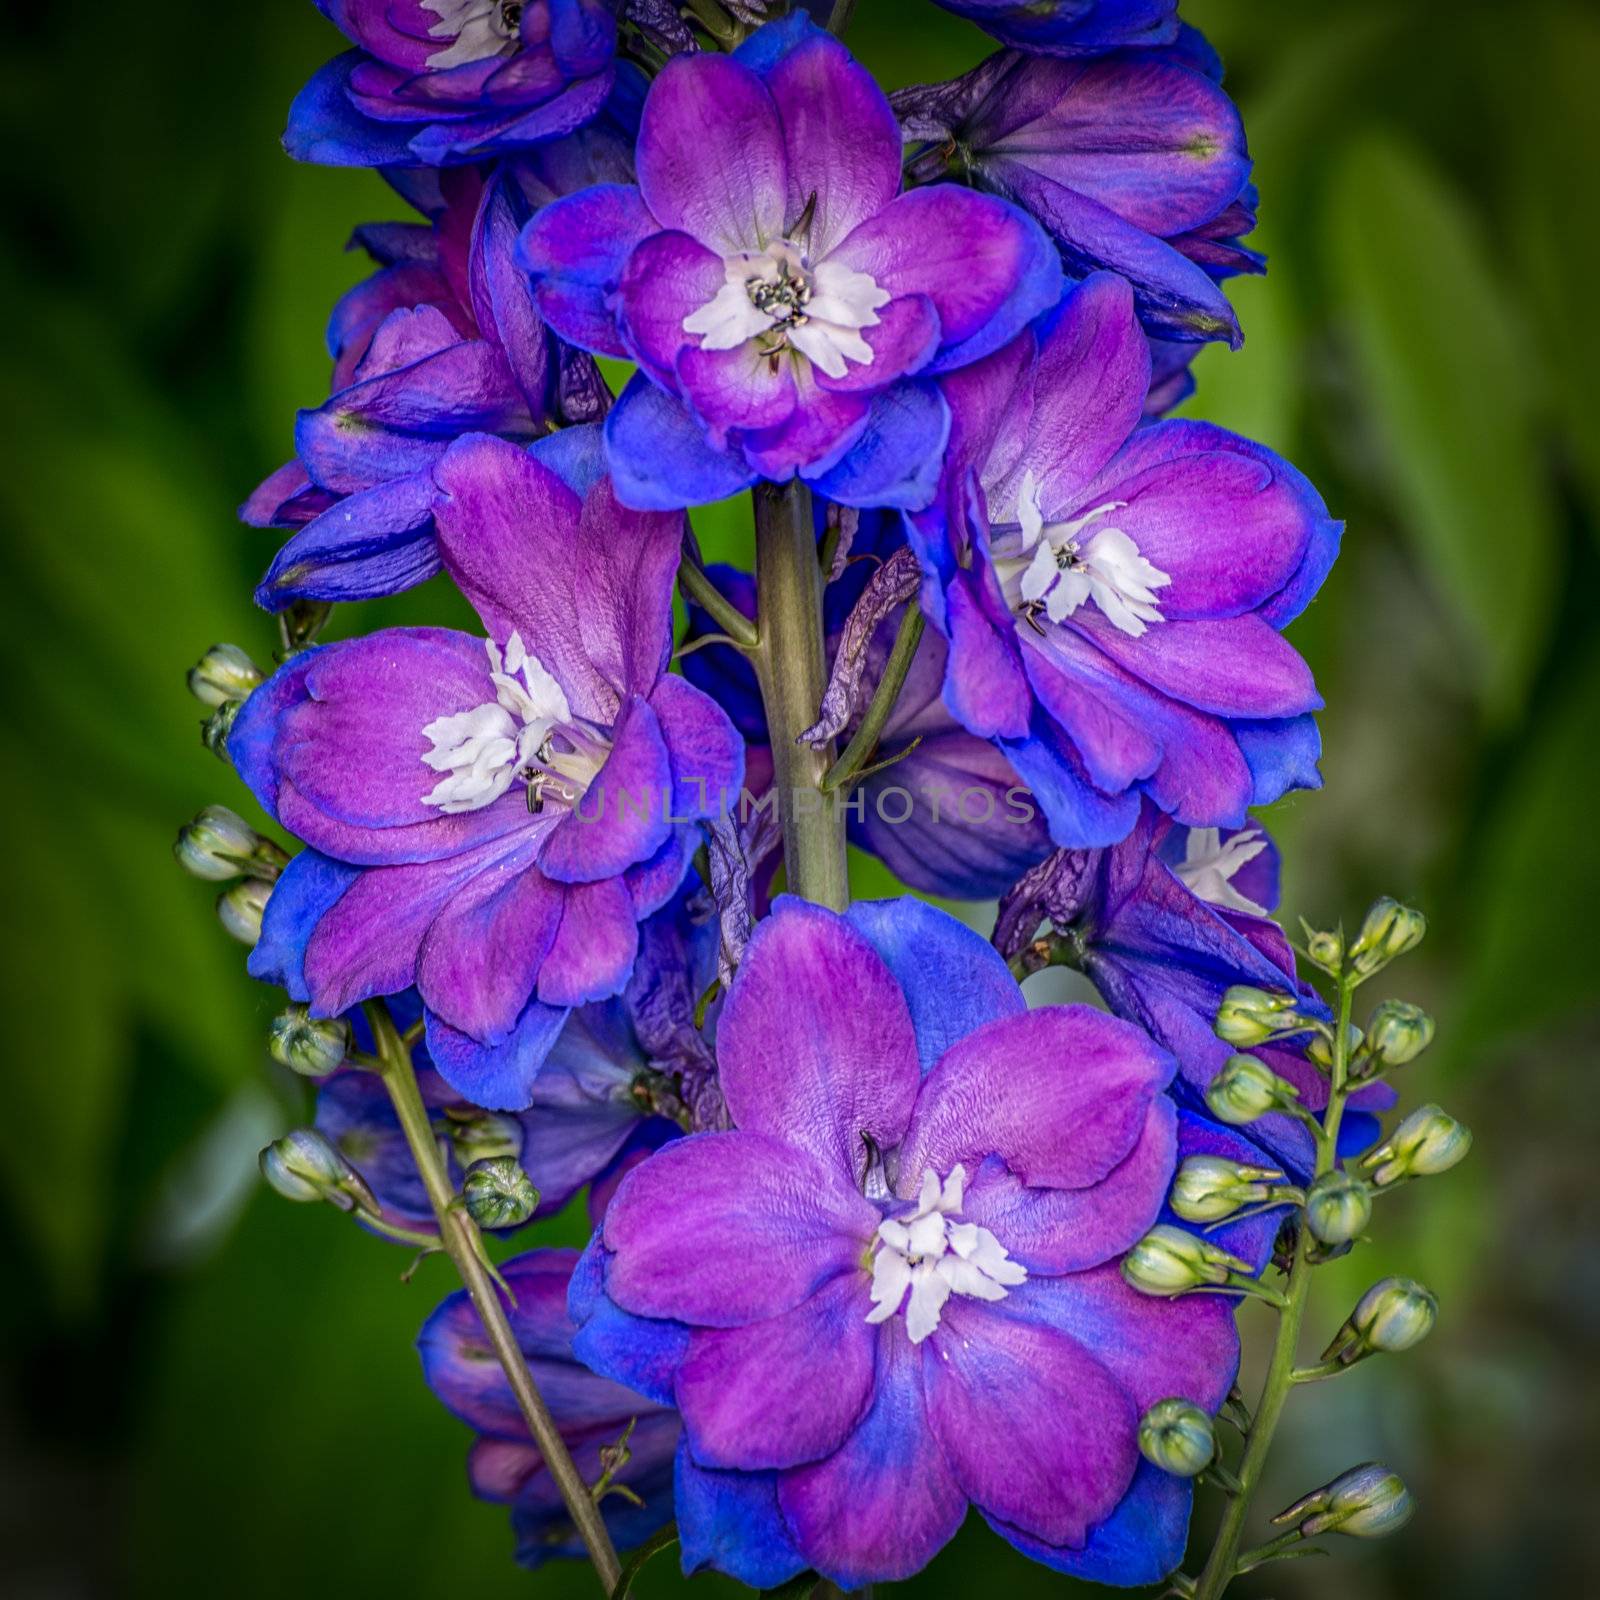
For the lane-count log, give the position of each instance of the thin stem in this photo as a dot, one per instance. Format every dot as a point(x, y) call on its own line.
point(696, 584)
point(1222, 1566)
point(839, 17)
point(459, 1236)
point(792, 668)
point(859, 751)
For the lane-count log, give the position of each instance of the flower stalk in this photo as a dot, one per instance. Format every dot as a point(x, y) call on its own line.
point(459, 1236)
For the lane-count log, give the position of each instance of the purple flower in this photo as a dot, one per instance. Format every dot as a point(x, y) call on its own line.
point(893, 1290)
point(444, 82)
point(1163, 924)
point(1113, 592)
point(592, 1413)
point(785, 302)
point(1072, 27)
point(490, 820)
point(1134, 162)
point(443, 340)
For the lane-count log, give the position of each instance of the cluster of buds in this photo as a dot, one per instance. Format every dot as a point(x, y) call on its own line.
point(304, 1166)
point(220, 845)
point(1427, 1142)
point(1366, 1502)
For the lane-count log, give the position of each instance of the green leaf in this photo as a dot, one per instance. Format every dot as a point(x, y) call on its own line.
point(1444, 377)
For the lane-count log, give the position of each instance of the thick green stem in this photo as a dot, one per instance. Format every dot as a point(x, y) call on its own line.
point(1222, 1566)
point(459, 1236)
point(792, 667)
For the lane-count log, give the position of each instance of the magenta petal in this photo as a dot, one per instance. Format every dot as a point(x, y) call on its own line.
point(1053, 1231)
point(703, 103)
point(1117, 750)
point(817, 434)
point(966, 251)
point(704, 747)
point(840, 136)
point(985, 685)
point(815, 1043)
point(1088, 393)
point(1230, 666)
point(738, 388)
point(785, 1390)
point(595, 946)
point(686, 1226)
point(667, 279)
point(885, 1503)
point(481, 956)
point(903, 341)
point(1060, 1095)
point(1036, 1430)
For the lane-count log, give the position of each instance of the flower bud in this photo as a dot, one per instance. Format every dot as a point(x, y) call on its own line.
point(1338, 1207)
point(1324, 948)
point(498, 1194)
point(1365, 1503)
point(1171, 1261)
point(1247, 1088)
point(1250, 1016)
point(223, 673)
point(1177, 1436)
point(215, 729)
point(241, 908)
point(1389, 931)
point(1398, 1033)
point(1393, 1315)
point(311, 1046)
point(1427, 1142)
point(1209, 1188)
point(1319, 1047)
point(482, 1135)
point(303, 1165)
point(219, 844)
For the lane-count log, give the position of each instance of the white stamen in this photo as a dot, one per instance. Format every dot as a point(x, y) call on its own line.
point(1069, 567)
point(479, 29)
point(935, 1258)
point(481, 751)
point(777, 296)
point(1209, 867)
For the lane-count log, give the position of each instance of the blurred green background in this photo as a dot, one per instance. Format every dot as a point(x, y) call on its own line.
point(206, 1390)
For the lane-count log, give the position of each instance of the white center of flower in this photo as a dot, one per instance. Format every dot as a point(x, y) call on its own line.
point(527, 732)
point(935, 1256)
point(478, 28)
point(1077, 561)
point(1209, 866)
point(776, 296)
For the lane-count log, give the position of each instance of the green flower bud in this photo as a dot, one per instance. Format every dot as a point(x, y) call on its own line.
point(1427, 1142)
point(482, 1135)
point(1177, 1436)
point(1325, 948)
point(1171, 1261)
point(1250, 1016)
point(1319, 1048)
point(215, 729)
point(1389, 931)
point(219, 844)
point(302, 1165)
point(1209, 1188)
point(241, 908)
point(311, 1046)
point(1394, 1314)
point(1398, 1033)
point(222, 674)
point(1338, 1207)
point(498, 1194)
point(1366, 1502)
point(1247, 1088)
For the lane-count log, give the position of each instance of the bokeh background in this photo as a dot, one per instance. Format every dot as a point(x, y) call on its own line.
point(206, 1390)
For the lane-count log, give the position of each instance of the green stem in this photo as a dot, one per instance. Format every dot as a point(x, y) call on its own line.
point(459, 1236)
point(859, 751)
point(696, 584)
point(1222, 1565)
point(792, 668)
